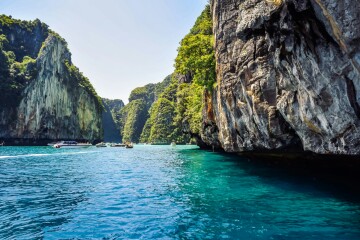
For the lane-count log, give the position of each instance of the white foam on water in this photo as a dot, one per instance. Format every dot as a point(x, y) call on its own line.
point(2, 157)
point(45, 154)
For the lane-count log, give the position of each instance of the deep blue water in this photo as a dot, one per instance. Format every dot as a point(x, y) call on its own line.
point(161, 192)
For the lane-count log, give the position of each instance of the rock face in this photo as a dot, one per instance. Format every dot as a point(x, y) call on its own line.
point(288, 76)
point(110, 119)
point(56, 103)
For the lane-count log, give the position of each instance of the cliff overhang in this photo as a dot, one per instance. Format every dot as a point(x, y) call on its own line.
point(287, 77)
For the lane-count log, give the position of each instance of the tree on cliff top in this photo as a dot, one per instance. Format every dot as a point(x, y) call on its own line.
point(196, 53)
point(181, 103)
point(196, 58)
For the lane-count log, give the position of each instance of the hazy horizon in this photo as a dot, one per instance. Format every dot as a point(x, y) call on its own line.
point(117, 44)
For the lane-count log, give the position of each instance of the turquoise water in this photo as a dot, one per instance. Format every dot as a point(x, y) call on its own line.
point(160, 192)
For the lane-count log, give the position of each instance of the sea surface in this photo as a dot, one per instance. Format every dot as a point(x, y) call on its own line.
point(162, 192)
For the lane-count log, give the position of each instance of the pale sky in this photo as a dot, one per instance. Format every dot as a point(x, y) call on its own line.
point(117, 44)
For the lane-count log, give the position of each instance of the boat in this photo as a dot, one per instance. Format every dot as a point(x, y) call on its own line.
point(71, 144)
point(159, 143)
point(102, 144)
point(2, 144)
point(130, 145)
point(118, 145)
point(173, 144)
point(52, 144)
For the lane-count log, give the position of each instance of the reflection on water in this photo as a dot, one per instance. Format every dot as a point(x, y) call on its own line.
point(162, 192)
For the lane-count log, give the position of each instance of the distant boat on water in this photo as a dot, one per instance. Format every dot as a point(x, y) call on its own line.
point(159, 143)
point(173, 144)
point(130, 145)
point(2, 144)
point(118, 145)
point(71, 144)
point(102, 144)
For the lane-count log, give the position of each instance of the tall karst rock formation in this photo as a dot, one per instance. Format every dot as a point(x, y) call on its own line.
point(43, 95)
point(287, 76)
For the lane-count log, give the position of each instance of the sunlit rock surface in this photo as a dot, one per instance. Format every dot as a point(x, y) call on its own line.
point(288, 76)
point(53, 105)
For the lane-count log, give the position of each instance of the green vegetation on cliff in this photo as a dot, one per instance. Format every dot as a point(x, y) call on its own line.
point(133, 117)
point(14, 77)
point(83, 82)
point(161, 119)
point(196, 58)
point(24, 38)
point(17, 58)
point(179, 108)
point(196, 52)
point(21, 43)
point(189, 107)
point(135, 114)
point(160, 126)
point(172, 110)
point(43, 95)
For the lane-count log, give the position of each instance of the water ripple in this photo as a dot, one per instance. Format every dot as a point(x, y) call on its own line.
point(160, 192)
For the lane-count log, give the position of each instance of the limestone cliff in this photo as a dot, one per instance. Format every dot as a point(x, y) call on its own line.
point(136, 113)
point(55, 101)
point(288, 76)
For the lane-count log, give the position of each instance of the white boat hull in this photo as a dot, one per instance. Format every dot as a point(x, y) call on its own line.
point(71, 146)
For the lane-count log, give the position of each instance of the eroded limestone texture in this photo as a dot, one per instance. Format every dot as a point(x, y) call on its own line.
point(53, 105)
point(288, 76)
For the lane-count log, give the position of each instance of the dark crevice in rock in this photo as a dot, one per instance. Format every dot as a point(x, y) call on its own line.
point(308, 24)
point(254, 53)
point(239, 135)
point(248, 34)
point(285, 127)
point(351, 93)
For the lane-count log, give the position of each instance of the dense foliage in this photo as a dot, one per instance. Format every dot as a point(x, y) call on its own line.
point(136, 113)
point(26, 37)
point(172, 110)
point(161, 127)
point(161, 119)
point(196, 53)
point(179, 108)
point(14, 75)
point(141, 93)
point(17, 58)
point(133, 118)
point(189, 106)
point(196, 58)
